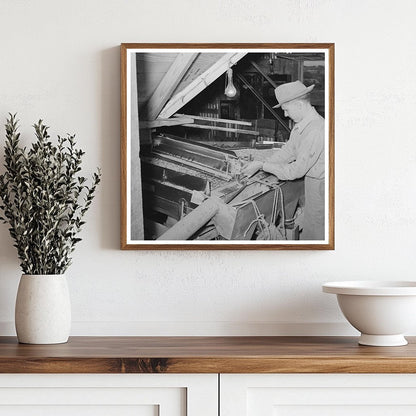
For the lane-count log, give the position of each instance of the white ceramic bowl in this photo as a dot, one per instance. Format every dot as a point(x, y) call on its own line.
point(381, 311)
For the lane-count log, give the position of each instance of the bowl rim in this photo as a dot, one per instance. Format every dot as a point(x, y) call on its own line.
point(371, 288)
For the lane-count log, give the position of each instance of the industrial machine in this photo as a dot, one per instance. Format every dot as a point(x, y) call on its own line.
point(194, 191)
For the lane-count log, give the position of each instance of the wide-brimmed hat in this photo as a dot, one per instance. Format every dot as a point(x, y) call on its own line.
point(291, 91)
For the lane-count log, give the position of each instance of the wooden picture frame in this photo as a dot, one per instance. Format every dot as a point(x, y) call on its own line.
point(187, 138)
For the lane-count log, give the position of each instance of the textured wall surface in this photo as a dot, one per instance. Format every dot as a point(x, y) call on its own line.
point(60, 62)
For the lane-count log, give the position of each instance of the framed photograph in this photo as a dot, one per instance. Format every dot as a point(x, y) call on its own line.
point(227, 146)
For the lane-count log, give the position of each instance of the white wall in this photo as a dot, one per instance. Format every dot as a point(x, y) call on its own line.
point(60, 62)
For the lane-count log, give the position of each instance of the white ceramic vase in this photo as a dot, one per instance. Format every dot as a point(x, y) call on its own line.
point(43, 309)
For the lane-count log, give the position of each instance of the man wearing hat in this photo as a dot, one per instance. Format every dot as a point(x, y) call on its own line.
point(302, 156)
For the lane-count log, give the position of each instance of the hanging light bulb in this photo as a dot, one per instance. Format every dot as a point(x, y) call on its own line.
point(230, 90)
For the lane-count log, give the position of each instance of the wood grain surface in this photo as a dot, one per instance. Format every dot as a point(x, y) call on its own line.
point(206, 355)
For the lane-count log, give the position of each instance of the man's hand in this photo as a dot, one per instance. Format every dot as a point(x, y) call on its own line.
point(252, 168)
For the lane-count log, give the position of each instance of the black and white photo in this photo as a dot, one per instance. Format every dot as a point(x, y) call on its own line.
point(227, 146)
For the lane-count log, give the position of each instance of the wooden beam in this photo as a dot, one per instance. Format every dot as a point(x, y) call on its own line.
point(265, 103)
point(215, 120)
point(200, 126)
point(285, 57)
point(161, 122)
point(192, 222)
point(168, 84)
point(271, 82)
point(300, 70)
point(154, 228)
point(200, 83)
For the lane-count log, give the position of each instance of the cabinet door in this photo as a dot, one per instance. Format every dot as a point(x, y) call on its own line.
point(108, 395)
point(318, 394)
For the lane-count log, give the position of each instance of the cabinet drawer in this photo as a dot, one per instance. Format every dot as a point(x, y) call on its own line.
point(318, 394)
point(108, 395)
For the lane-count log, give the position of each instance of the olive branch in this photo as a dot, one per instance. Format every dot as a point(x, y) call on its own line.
point(44, 198)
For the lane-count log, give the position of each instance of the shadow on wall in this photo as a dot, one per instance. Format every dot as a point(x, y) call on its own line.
point(110, 148)
point(282, 315)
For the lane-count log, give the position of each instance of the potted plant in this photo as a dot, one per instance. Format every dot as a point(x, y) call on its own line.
point(44, 199)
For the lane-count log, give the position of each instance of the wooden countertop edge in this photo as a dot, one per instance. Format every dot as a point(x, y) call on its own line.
point(204, 365)
point(233, 355)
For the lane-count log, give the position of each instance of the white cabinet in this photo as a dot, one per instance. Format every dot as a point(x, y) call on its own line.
point(197, 395)
point(318, 394)
point(109, 394)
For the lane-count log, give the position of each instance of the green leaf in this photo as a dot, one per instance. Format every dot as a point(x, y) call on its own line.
point(44, 198)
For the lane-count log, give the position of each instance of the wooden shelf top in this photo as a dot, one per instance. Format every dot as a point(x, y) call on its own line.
point(206, 355)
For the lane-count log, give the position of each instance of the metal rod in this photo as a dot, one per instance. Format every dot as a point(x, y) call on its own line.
point(200, 126)
point(215, 120)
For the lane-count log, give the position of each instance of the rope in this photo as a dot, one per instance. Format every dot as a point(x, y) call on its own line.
point(261, 222)
point(278, 195)
point(260, 218)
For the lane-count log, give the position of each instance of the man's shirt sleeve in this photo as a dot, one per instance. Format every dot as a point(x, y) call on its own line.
point(285, 154)
point(308, 153)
